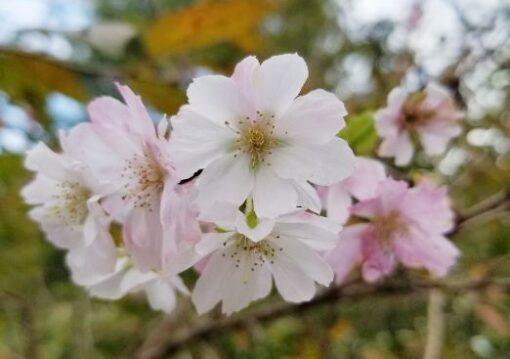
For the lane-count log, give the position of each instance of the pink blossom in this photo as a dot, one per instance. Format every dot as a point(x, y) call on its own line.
point(107, 271)
point(124, 148)
point(404, 224)
point(362, 184)
point(254, 136)
point(431, 115)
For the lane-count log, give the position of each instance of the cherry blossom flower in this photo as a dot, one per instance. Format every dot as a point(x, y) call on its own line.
point(88, 264)
point(430, 115)
point(362, 184)
point(254, 136)
point(242, 260)
point(125, 148)
point(404, 224)
point(64, 194)
point(108, 271)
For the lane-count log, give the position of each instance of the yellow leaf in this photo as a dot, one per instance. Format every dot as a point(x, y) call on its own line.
point(203, 24)
point(22, 74)
point(165, 98)
point(250, 42)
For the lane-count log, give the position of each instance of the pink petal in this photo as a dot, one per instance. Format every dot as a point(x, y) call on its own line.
point(363, 183)
point(347, 253)
point(338, 203)
point(378, 258)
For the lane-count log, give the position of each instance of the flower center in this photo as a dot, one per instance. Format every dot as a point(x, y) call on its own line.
point(144, 178)
point(387, 226)
point(71, 203)
point(257, 253)
point(256, 138)
point(413, 114)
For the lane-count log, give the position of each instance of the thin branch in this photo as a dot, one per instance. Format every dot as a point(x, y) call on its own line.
point(345, 293)
point(493, 204)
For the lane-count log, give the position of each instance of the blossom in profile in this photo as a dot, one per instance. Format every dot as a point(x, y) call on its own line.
point(125, 148)
point(362, 184)
point(107, 272)
point(430, 116)
point(254, 136)
point(399, 224)
point(243, 260)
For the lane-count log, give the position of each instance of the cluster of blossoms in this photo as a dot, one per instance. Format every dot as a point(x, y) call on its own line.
point(247, 183)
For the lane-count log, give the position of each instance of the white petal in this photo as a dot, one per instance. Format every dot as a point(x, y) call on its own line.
point(302, 217)
point(264, 282)
point(240, 287)
point(161, 295)
point(90, 230)
point(218, 98)
point(41, 159)
point(335, 162)
point(84, 144)
point(178, 284)
point(404, 150)
point(109, 287)
point(42, 189)
point(90, 264)
point(143, 238)
point(223, 214)
point(134, 279)
point(292, 284)
point(314, 118)
point(110, 119)
point(244, 73)
point(314, 237)
point(308, 197)
point(307, 259)
point(58, 232)
point(196, 141)
point(259, 232)
point(181, 261)
point(209, 287)
point(279, 81)
point(140, 119)
point(273, 196)
point(294, 161)
point(212, 241)
point(228, 179)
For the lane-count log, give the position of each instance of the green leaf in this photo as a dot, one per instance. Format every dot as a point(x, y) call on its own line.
point(360, 133)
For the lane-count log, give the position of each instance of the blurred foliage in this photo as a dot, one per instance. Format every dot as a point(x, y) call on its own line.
point(205, 24)
point(44, 315)
point(360, 134)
